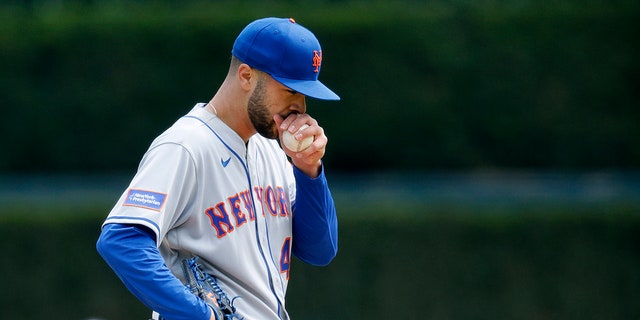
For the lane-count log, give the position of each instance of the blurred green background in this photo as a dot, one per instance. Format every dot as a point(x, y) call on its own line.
point(484, 156)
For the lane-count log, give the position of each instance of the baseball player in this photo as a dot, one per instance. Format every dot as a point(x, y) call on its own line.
point(216, 190)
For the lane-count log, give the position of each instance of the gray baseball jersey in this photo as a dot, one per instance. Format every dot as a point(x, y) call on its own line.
point(204, 192)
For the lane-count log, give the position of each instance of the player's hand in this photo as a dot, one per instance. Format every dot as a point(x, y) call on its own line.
point(308, 160)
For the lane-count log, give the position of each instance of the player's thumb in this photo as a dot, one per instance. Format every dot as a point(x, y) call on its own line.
point(278, 120)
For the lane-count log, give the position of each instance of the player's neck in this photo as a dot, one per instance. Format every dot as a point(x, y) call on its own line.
point(234, 116)
point(211, 108)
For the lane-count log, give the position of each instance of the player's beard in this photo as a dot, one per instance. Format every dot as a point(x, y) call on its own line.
point(259, 113)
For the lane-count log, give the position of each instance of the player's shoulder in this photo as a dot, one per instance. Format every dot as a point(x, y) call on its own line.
point(196, 131)
point(185, 132)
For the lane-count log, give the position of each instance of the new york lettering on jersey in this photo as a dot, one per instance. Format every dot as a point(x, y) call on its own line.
point(234, 213)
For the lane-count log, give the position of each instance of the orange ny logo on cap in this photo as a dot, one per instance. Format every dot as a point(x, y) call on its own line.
point(317, 60)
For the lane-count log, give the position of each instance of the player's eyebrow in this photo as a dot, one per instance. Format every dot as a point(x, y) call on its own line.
point(291, 91)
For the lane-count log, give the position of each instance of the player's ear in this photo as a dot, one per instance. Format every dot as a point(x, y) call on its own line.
point(246, 76)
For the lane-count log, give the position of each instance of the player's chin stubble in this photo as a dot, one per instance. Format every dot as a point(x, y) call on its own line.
point(259, 113)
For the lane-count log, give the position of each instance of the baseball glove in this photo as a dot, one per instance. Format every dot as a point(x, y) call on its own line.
point(206, 287)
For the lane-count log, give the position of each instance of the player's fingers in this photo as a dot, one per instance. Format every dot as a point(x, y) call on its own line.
point(315, 151)
point(294, 121)
point(288, 122)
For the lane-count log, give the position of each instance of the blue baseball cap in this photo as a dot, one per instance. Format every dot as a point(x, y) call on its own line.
point(285, 50)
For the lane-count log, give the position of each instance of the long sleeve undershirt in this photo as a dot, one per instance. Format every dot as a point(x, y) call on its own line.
point(315, 225)
point(130, 250)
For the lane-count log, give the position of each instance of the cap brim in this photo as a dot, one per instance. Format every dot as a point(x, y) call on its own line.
point(310, 88)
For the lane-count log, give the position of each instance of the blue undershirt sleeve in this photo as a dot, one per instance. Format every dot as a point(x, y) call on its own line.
point(315, 225)
point(131, 252)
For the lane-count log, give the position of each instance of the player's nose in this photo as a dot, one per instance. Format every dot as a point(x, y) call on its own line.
point(299, 105)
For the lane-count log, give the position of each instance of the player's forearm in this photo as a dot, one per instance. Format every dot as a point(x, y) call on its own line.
point(133, 256)
point(315, 225)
